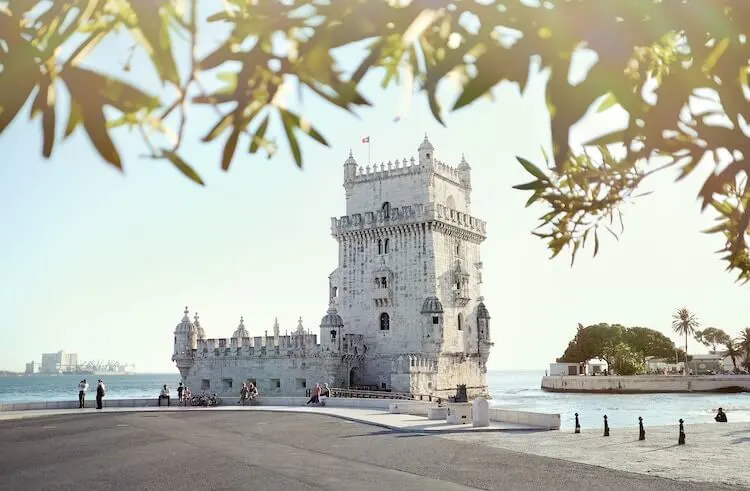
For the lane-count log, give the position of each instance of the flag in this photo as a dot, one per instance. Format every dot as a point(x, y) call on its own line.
point(366, 139)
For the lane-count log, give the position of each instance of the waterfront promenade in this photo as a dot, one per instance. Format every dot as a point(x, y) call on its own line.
point(272, 450)
point(349, 448)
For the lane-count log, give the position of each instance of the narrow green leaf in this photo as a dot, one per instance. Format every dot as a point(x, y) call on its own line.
point(219, 127)
point(609, 101)
point(608, 139)
point(530, 186)
point(295, 121)
point(75, 117)
point(260, 134)
point(95, 125)
point(183, 166)
point(532, 169)
point(229, 148)
point(596, 242)
point(48, 121)
point(289, 123)
point(533, 198)
point(154, 26)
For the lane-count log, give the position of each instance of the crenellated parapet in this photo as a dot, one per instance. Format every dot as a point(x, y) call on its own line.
point(409, 215)
point(397, 168)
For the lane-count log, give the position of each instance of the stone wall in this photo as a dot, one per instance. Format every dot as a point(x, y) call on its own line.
point(647, 383)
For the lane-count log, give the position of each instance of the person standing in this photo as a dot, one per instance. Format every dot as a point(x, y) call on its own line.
point(99, 394)
point(83, 386)
point(180, 392)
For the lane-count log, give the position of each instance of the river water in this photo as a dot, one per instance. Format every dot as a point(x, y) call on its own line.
point(513, 390)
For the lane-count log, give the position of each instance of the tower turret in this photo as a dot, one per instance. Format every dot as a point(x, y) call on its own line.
point(183, 354)
point(330, 328)
point(240, 332)
point(426, 152)
point(275, 331)
point(350, 168)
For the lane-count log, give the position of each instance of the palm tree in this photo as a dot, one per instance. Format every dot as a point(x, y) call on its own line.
point(733, 351)
point(745, 346)
point(685, 323)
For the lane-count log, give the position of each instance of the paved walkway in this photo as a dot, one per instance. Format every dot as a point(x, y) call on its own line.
point(276, 451)
point(380, 418)
point(713, 452)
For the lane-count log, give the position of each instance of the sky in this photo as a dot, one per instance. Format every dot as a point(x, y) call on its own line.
point(103, 263)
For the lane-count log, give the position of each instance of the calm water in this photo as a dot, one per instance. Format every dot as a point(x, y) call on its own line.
point(512, 390)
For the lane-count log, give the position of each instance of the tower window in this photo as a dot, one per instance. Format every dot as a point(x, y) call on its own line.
point(377, 283)
point(385, 246)
point(460, 321)
point(384, 282)
point(380, 246)
point(435, 319)
point(335, 291)
point(386, 210)
point(385, 322)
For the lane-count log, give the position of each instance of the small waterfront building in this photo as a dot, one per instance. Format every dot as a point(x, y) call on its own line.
point(405, 311)
point(594, 366)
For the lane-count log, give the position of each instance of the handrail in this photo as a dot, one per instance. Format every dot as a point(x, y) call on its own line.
point(381, 394)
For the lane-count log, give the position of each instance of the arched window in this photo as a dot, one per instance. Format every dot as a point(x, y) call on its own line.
point(385, 246)
point(460, 320)
point(386, 210)
point(380, 246)
point(385, 322)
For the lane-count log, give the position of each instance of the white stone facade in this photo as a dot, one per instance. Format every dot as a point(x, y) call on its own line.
point(405, 313)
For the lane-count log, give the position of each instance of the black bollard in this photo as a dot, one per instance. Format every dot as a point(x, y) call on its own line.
point(641, 431)
point(606, 426)
point(681, 439)
point(578, 425)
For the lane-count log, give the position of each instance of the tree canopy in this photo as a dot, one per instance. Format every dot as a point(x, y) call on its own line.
point(616, 344)
point(678, 68)
point(711, 337)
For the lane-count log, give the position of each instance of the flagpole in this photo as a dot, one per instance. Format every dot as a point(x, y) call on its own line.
point(368, 151)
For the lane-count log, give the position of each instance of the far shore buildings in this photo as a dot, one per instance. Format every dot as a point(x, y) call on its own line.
point(405, 312)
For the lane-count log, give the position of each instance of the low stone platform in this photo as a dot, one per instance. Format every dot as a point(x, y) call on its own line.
point(375, 417)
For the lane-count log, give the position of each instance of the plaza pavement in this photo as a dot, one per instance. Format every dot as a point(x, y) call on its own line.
point(274, 450)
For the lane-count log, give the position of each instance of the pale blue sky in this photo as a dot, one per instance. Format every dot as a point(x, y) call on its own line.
point(102, 264)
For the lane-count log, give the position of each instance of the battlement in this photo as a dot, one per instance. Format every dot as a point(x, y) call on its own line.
point(262, 346)
point(404, 167)
point(411, 214)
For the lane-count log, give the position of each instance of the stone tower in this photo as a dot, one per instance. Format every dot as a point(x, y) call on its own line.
point(408, 278)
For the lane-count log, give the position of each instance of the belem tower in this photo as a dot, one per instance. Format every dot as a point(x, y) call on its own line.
point(405, 312)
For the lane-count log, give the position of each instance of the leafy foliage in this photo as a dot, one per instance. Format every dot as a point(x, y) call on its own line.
point(679, 69)
point(712, 337)
point(626, 347)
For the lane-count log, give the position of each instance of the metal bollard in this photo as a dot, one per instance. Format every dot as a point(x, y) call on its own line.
point(681, 439)
point(578, 425)
point(641, 431)
point(606, 426)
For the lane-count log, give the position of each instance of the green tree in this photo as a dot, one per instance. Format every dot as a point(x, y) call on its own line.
point(596, 341)
point(712, 337)
point(685, 323)
point(647, 342)
point(744, 342)
point(627, 361)
point(733, 351)
point(652, 59)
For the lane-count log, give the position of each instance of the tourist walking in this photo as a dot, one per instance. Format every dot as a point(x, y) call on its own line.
point(83, 386)
point(314, 395)
point(721, 416)
point(99, 394)
point(244, 393)
point(325, 393)
point(164, 394)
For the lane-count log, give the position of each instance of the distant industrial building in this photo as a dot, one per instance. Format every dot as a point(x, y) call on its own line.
point(32, 367)
point(58, 362)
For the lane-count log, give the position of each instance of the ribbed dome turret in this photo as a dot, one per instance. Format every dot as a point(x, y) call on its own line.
point(332, 318)
point(482, 312)
point(432, 305)
point(198, 328)
point(241, 332)
point(426, 145)
point(185, 326)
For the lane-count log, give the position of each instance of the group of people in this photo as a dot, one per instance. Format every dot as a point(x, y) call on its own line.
point(318, 395)
point(183, 394)
point(248, 392)
point(83, 388)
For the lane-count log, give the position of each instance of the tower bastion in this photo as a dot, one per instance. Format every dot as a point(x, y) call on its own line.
point(405, 311)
